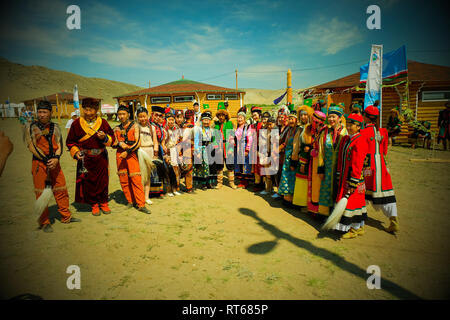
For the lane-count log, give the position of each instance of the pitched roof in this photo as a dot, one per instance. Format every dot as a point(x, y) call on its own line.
point(61, 96)
point(180, 86)
point(417, 71)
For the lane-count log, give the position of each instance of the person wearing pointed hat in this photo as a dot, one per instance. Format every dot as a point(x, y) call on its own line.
point(87, 140)
point(317, 124)
point(204, 141)
point(300, 156)
point(226, 128)
point(243, 138)
point(44, 140)
point(127, 142)
point(350, 179)
point(379, 188)
point(329, 142)
point(287, 181)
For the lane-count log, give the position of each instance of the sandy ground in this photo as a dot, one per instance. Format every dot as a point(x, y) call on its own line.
point(224, 244)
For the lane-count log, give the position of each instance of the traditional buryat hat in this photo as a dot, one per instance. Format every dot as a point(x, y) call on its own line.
point(189, 113)
point(44, 105)
point(90, 103)
point(283, 110)
point(256, 109)
point(170, 115)
point(221, 109)
point(372, 111)
point(158, 109)
point(319, 116)
point(293, 114)
point(266, 114)
point(335, 110)
point(355, 118)
point(178, 112)
point(305, 109)
point(141, 109)
point(242, 112)
point(123, 108)
point(206, 115)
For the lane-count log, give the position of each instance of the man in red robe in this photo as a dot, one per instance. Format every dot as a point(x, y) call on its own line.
point(87, 140)
point(379, 189)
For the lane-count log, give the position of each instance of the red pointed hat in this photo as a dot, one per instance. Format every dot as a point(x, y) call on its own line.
point(256, 109)
point(355, 118)
point(372, 111)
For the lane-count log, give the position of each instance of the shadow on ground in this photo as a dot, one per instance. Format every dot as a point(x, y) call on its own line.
point(340, 262)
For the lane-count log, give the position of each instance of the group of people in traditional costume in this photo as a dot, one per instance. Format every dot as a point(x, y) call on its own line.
point(326, 157)
point(313, 157)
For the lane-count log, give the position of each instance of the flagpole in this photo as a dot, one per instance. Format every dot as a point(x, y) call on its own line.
point(381, 91)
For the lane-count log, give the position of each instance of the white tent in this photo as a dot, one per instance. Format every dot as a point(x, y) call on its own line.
point(11, 110)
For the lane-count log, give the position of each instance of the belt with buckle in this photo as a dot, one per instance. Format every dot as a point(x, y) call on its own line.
point(93, 152)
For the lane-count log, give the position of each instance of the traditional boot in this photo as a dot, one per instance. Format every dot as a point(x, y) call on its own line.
point(95, 210)
point(105, 208)
point(360, 231)
point(219, 180)
point(231, 179)
point(350, 234)
point(393, 227)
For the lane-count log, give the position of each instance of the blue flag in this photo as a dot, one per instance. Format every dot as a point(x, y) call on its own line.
point(394, 66)
point(277, 100)
point(76, 102)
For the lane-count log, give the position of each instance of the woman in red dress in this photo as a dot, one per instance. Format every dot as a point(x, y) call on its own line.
point(379, 189)
point(352, 152)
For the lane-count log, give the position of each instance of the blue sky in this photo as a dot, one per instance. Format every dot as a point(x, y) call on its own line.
point(138, 41)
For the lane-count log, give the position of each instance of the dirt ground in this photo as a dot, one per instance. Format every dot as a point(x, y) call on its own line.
point(223, 244)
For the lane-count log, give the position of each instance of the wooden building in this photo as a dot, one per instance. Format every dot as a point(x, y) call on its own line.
point(429, 90)
point(62, 103)
point(181, 94)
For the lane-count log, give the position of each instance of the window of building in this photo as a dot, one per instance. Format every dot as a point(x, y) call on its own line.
point(183, 98)
point(160, 99)
point(231, 96)
point(214, 97)
point(436, 95)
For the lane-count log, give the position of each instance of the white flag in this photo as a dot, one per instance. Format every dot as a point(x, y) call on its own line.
point(374, 76)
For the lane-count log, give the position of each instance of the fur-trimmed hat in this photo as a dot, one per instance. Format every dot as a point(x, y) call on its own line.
point(43, 104)
point(221, 109)
point(242, 111)
point(123, 108)
point(158, 109)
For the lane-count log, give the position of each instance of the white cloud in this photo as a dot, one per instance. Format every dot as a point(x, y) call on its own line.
point(329, 36)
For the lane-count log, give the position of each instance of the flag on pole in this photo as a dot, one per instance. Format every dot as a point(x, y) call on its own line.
point(374, 76)
point(76, 103)
point(277, 100)
point(394, 66)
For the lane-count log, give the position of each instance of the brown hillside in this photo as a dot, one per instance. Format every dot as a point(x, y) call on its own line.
point(19, 82)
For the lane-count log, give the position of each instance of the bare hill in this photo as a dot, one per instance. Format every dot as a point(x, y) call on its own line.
point(19, 82)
